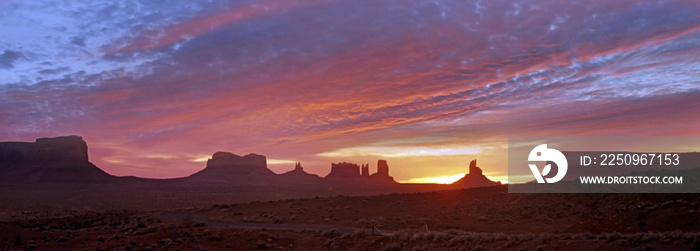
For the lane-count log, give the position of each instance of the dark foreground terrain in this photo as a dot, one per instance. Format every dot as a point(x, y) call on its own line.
point(462, 219)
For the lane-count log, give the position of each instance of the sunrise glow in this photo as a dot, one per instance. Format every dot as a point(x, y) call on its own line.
point(427, 85)
point(439, 180)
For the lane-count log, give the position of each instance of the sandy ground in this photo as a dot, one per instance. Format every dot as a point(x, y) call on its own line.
point(463, 219)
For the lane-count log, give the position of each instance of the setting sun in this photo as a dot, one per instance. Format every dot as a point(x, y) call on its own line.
point(439, 180)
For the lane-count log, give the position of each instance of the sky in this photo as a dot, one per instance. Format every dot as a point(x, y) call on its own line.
point(156, 87)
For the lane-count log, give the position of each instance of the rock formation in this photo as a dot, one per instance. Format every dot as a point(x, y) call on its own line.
point(299, 176)
point(382, 168)
point(344, 170)
point(62, 149)
point(473, 169)
point(349, 171)
point(60, 159)
point(382, 173)
point(227, 159)
point(475, 178)
point(228, 167)
point(365, 171)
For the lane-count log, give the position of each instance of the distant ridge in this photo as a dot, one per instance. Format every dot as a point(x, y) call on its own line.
point(65, 160)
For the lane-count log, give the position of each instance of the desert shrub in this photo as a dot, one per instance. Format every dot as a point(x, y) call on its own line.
point(429, 235)
point(417, 237)
point(676, 234)
point(441, 236)
point(500, 237)
point(641, 238)
point(696, 244)
point(260, 245)
point(331, 233)
point(222, 206)
point(359, 234)
point(455, 232)
point(583, 236)
point(403, 235)
point(689, 237)
point(363, 223)
point(394, 246)
point(564, 236)
point(215, 237)
point(458, 241)
point(187, 220)
point(656, 236)
point(420, 248)
point(543, 238)
point(483, 237)
point(166, 241)
point(512, 240)
point(614, 236)
point(306, 230)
